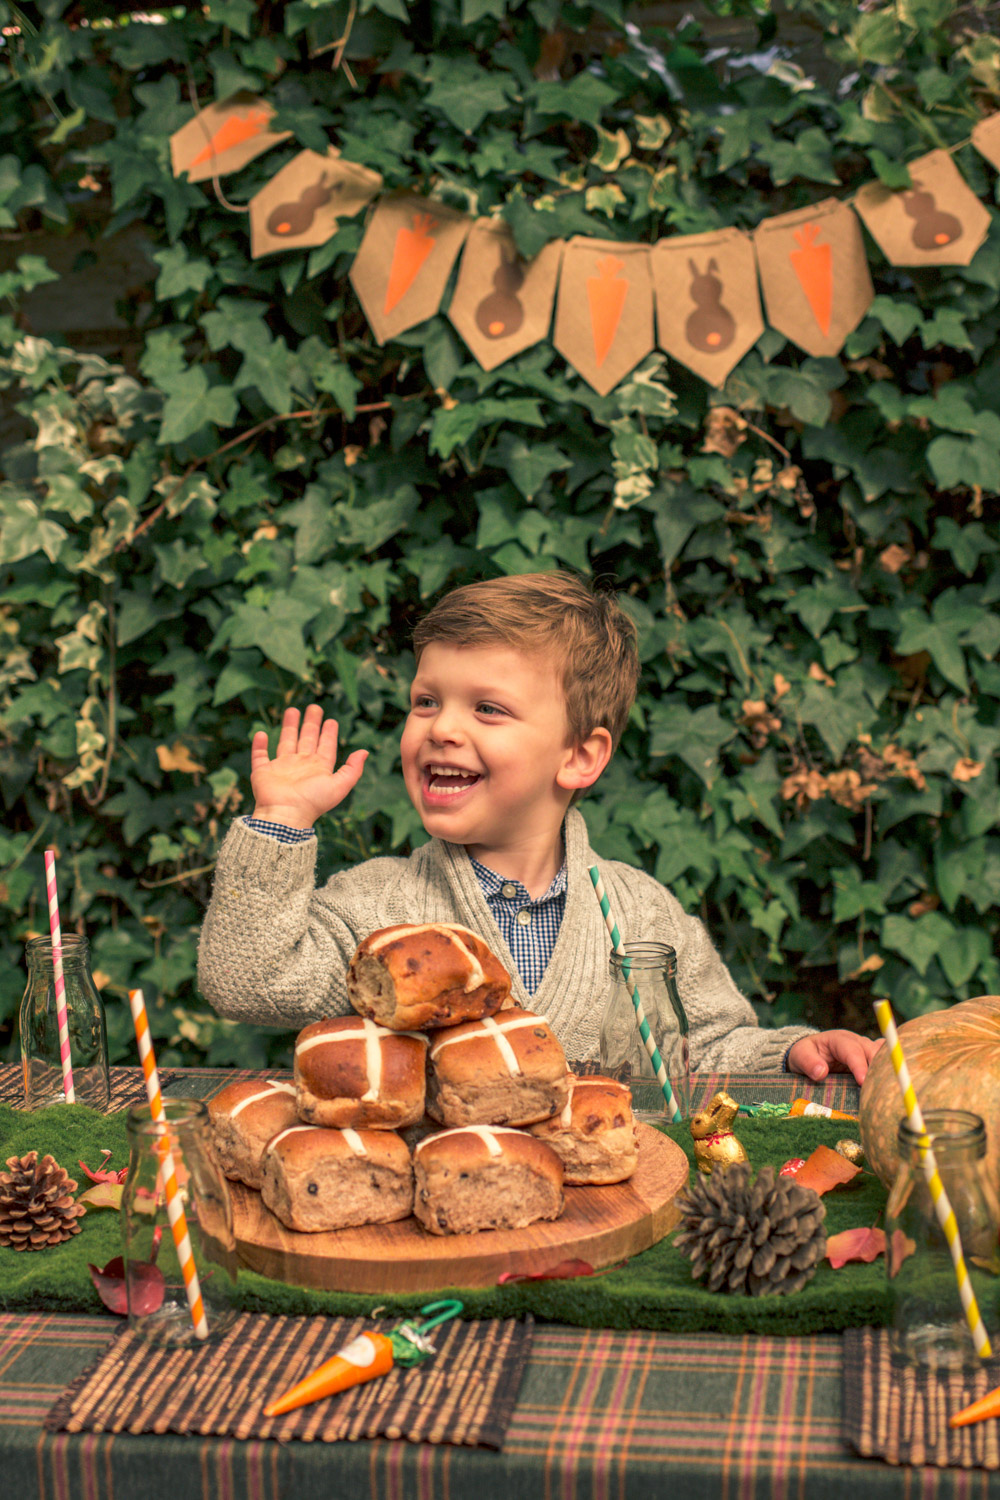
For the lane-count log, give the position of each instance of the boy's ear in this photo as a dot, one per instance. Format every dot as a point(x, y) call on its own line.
point(585, 761)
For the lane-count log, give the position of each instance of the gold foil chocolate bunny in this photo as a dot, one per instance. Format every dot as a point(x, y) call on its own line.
point(715, 1146)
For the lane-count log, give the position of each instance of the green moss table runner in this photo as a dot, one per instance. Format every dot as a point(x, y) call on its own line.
point(653, 1290)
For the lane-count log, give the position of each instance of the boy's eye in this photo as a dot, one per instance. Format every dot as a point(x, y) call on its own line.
point(489, 708)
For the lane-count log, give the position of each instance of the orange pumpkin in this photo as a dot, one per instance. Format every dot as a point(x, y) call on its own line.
point(954, 1061)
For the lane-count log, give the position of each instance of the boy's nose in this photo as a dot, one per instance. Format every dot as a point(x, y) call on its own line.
point(446, 727)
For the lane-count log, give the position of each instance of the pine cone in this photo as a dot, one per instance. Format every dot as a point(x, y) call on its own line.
point(752, 1237)
point(36, 1203)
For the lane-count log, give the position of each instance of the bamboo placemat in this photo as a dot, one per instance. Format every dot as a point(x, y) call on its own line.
point(900, 1414)
point(465, 1394)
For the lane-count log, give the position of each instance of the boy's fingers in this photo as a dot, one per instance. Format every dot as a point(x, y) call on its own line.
point(258, 751)
point(327, 747)
point(309, 734)
point(350, 772)
point(289, 736)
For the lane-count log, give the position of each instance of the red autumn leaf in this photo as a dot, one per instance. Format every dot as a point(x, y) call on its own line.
point(824, 1170)
point(564, 1271)
point(101, 1175)
point(855, 1244)
point(147, 1286)
point(902, 1248)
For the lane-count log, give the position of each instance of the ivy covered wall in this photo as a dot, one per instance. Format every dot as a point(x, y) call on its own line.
point(255, 505)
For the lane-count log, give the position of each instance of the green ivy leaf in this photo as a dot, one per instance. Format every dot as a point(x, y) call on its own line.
point(276, 629)
point(193, 404)
point(961, 954)
point(179, 273)
point(694, 737)
point(465, 93)
point(26, 531)
point(919, 940)
point(582, 98)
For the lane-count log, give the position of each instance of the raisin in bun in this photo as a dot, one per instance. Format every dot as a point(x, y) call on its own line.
point(316, 1179)
point(417, 977)
point(243, 1119)
point(502, 1070)
point(485, 1177)
point(351, 1071)
point(594, 1134)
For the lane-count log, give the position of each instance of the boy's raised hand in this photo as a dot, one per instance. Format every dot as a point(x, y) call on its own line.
point(832, 1052)
point(300, 783)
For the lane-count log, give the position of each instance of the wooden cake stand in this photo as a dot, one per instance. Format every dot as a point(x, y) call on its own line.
point(601, 1225)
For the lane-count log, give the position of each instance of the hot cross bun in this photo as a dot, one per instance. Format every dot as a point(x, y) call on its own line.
point(594, 1134)
point(422, 976)
point(485, 1177)
point(317, 1179)
point(502, 1070)
point(351, 1071)
point(244, 1117)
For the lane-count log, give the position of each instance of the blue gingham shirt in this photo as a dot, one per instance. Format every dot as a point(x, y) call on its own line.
point(528, 927)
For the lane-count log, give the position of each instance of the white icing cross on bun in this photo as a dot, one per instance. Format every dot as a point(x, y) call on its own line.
point(565, 1119)
point(372, 1034)
point(486, 1133)
point(494, 1028)
point(451, 930)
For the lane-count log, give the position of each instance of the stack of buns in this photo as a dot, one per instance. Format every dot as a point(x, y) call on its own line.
point(435, 1029)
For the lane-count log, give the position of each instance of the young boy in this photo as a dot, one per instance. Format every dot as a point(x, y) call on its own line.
point(522, 689)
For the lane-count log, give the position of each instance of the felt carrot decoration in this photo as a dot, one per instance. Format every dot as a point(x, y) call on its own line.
point(979, 1411)
point(367, 1357)
point(233, 132)
point(411, 250)
point(813, 265)
point(809, 1107)
point(606, 294)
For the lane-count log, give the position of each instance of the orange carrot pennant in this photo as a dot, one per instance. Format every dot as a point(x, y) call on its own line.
point(606, 294)
point(235, 130)
point(412, 248)
point(813, 265)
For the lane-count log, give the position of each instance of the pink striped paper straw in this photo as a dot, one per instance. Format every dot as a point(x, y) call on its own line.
point(168, 1174)
point(57, 964)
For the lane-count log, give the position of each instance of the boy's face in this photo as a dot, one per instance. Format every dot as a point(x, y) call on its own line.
point(483, 747)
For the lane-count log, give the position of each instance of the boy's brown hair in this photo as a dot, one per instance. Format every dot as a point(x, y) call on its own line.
point(589, 633)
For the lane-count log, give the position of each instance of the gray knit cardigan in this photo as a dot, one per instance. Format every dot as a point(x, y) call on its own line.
point(274, 950)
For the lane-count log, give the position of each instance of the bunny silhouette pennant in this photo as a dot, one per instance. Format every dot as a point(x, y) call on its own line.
point(707, 304)
point(986, 139)
point(814, 275)
point(502, 305)
point(301, 205)
point(404, 261)
point(937, 221)
point(604, 313)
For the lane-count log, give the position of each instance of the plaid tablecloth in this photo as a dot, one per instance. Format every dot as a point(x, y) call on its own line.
point(602, 1415)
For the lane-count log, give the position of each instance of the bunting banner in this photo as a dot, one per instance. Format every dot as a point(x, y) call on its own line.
point(303, 203)
point(502, 304)
point(810, 264)
point(402, 267)
point(707, 303)
point(986, 139)
point(938, 221)
point(604, 315)
point(814, 274)
point(223, 137)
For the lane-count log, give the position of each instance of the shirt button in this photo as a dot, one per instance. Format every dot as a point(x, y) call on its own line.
point(523, 916)
point(508, 890)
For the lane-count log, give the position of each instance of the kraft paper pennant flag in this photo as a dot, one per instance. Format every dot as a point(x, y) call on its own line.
point(302, 203)
point(938, 221)
point(604, 316)
point(814, 274)
point(707, 303)
point(402, 267)
point(502, 305)
point(223, 137)
point(986, 139)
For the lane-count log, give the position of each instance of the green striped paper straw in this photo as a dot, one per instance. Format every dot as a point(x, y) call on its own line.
point(640, 1014)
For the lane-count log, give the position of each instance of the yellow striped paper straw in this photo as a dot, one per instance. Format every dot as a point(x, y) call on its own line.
point(168, 1174)
point(942, 1208)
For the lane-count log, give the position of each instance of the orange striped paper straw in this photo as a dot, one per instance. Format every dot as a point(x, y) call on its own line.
point(57, 968)
point(168, 1174)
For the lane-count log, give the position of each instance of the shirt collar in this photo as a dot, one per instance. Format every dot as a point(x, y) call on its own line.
point(492, 884)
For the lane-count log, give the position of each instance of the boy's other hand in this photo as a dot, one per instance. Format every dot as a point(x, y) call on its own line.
point(300, 784)
point(832, 1052)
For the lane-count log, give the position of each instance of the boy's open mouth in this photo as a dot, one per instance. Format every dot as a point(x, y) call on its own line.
point(449, 780)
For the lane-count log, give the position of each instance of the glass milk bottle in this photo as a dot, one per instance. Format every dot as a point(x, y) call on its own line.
point(652, 968)
point(158, 1306)
point(929, 1323)
point(41, 1063)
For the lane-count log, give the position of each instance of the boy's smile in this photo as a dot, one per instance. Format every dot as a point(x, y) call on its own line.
point(486, 758)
